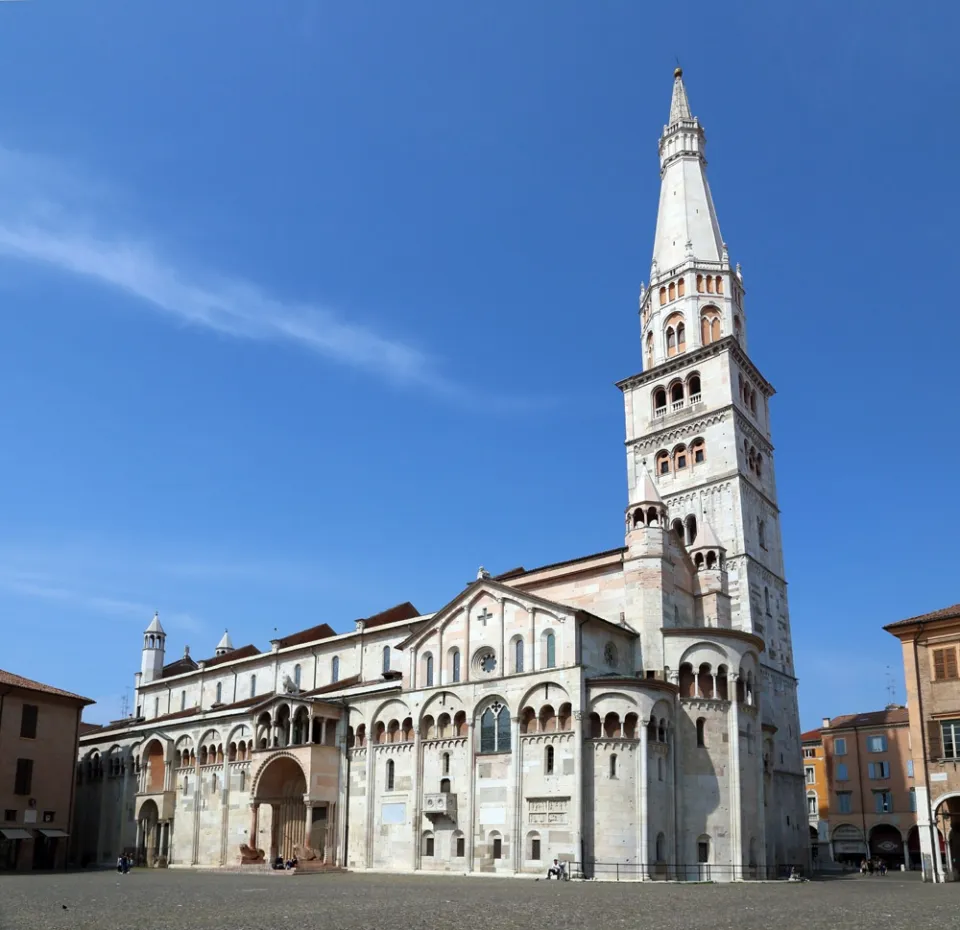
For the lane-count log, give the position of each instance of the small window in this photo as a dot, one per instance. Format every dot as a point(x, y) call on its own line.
point(461, 847)
point(840, 747)
point(876, 744)
point(842, 771)
point(762, 533)
point(444, 786)
point(335, 669)
point(386, 659)
point(296, 675)
point(844, 802)
point(28, 722)
point(811, 804)
point(535, 849)
point(613, 766)
point(219, 699)
point(183, 700)
point(701, 732)
point(945, 664)
point(913, 800)
point(253, 686)
point(428, 846)
point(518, 656)
point(497, 848)
point(878, 770)
point(24, 777)
point(455, 662)
point(390, 774)
point(156, 707)
point(548, 760)
point(909, 768)
point(429, 674)
point(551, 643)
point(882, 802)
point(810, 775)
point(446, 763)
point(703, 846)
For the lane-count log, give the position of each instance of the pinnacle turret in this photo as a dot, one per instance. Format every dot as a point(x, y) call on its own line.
point(679, 105)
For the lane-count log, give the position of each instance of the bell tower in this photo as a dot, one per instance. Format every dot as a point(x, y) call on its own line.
point(698, 424)
point(154, 644)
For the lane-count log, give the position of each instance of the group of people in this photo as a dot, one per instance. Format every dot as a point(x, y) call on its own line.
point(123, 864)
point(279, 864)
point(873, 867)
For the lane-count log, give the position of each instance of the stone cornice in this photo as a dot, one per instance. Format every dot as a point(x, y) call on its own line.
point(719, 632)
point(654, 684)
point(680, 428)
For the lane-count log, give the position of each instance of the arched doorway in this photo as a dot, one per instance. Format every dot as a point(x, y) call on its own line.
point(948, 820)
point(886, 843)
point(848, 844)
point(148, 833)
point(152, 763)
point(282, 785)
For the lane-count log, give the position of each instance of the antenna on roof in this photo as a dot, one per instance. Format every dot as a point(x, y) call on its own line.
point(125, 703)
point(891, 687)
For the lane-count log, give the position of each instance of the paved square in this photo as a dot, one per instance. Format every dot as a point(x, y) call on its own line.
point(187, 900)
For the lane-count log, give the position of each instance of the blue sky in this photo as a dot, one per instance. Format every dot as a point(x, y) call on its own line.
point(311, 308)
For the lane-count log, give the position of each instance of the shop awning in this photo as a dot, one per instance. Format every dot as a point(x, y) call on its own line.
point(14, 833)
point(54, 833)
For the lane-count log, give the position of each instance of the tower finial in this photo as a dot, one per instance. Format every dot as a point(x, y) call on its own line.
point(679, 105)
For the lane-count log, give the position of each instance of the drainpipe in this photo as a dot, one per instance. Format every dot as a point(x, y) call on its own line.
point(863, 807)
point(934, 839)
point(73, 788)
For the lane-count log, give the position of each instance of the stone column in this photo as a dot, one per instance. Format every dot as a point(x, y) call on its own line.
point(254, 825)
point(308, 825)
point(674, 749)
point(736, 823)
point(576, 802)
point(468, 828)
point(140, 841)
point(417, 795)
point(515, 753)
point(643, 833)
point(371, 798)
point(330, 843)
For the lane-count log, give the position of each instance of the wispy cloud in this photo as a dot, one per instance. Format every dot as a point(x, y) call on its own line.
point(47, 217)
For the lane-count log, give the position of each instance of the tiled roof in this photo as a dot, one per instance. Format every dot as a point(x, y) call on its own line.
point(945, 613)
point(179, 667)
point(404, 611)
point(334, 686)
point(244, 652)
point(18, 681)
point(86, 728)
point(321, 631)
point(811, 736)
point(519, 572)
point(890, 716)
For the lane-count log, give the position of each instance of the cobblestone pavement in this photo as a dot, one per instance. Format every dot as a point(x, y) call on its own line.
point(186, 900)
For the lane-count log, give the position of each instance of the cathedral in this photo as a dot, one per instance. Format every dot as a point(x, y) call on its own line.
point(633, 710)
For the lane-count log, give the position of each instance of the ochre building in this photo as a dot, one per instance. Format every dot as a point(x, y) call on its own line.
point(39, 733)
point(633, 710)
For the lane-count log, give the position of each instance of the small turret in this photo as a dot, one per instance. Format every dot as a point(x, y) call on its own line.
point(225, 645)
point(711, 591)
point(154, 644)
point(707, 551)
point(646, 507)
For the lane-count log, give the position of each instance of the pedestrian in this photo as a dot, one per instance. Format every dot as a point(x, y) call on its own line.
point(554, 870)
point(863, 866)
point(870, 866)
point(119, 865)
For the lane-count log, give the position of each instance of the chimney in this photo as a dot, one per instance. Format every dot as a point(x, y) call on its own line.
point(826, 722)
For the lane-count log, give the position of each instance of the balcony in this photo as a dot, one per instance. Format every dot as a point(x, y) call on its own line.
point(164, 801)
point(442, 804)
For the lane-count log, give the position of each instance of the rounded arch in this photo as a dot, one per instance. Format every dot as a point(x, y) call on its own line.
point(210, 735)
point(279, 777)
point(390, 709)
point(240, 731)
point(438, 704)
point(659, 396)
point(544, 692)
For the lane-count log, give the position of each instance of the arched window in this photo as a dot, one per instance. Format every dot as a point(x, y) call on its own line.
point(386, 659)
point(758, 464)
point(550, 648)
point(446, 763)
point(156, 707)
point(701, 732)
point(719, 285)
point(766, 600)
point(693, 388)
point(761, 533)
point(548, 760)
point(296, 675)
point(663, 462)
point(663, 296)
point(737, 328)
point(428, 845)
point(495, 729)
point(428, 672)
point(649, 361)
point(671, 342)
point(753, 401)
point(183, 700)
point(676, 394)
point(672, 291)
point(681, 287)
point(613, 765)
point(691, 530)
point(518, 656)
point(709, 284)
point(253, 686)
point(681, 338)
point(677, 527)
point(699, 283)
point(698, 451)
point(219, 699)
point(659, 402)
point(390, 774)
point(680, 457)
point(335, 669)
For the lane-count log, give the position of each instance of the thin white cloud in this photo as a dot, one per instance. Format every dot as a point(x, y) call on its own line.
point(48, 216)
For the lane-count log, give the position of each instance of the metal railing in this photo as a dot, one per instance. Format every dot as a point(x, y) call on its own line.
point(627, 871)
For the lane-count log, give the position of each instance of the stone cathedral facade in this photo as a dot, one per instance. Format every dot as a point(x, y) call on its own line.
point(632, 709)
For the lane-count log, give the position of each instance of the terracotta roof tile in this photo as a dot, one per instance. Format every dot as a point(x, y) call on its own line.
point(519, 572)
point(945, 613)
point(890, 716)
point(321, 631)
point(28, 684)
point(334, 686)
point(811, 736)
point(244, 652)
point(404, 611)
point(179, 667)
point(86, 728)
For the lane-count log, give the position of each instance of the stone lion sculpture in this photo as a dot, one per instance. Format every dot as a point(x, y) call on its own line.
point(305, 853)
point(250, 855)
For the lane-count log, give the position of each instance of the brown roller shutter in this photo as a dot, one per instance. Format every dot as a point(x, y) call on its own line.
point(934, 740)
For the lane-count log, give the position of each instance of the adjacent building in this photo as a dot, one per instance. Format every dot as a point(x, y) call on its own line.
point(632, 709)
point(931, 663)
point(818, 795)
point(39, 738)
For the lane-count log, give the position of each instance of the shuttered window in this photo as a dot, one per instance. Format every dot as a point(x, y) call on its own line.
point(945, 664)
point(934, 743)
point(951, 739)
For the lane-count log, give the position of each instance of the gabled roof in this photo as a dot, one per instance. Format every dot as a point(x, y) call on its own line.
point(28, 684)
point(404, 611)
point(179, 667)
point(811, 736)
point(889, 716)
point(493, 585)
point(945, 613)
point(520, 572)
point(309, 635)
